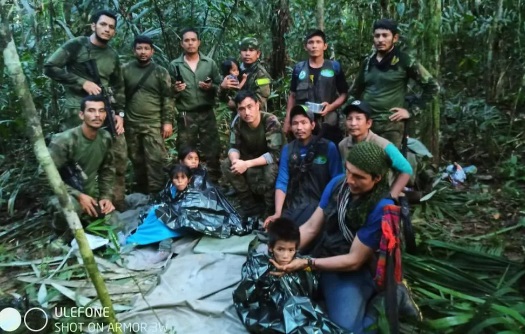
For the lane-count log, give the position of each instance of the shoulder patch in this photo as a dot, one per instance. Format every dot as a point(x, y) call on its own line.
point(262, 81)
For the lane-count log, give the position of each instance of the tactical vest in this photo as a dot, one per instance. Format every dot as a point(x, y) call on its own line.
point(324, 89)
point(309, 175)
point(332, 241)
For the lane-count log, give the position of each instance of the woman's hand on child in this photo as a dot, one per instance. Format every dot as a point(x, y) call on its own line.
point(295, 265)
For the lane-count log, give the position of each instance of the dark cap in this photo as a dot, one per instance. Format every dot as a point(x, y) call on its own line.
point(301, 110)
point(314, 32)
point(249, 43)
point(387, 24)
point(359, 106)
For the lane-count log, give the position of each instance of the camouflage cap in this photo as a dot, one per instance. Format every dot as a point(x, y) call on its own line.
point(249, 43)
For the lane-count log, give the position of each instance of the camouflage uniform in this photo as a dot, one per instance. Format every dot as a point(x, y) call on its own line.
point(196, 123)
point(386, 87)
point(265, 140)
point(94, 157)
point(258, 80)
point(146, 111)
point(67, 66)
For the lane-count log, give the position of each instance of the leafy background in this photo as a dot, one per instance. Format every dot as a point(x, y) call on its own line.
point(468, 276)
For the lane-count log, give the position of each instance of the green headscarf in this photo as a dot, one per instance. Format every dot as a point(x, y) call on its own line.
point(373, 160)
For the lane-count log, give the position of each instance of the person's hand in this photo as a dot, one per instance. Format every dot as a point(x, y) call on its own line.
point(229, 83)
point(271, 219)
point(295, 265)
point(88, 204)
point(167, 130)
point(119, 125)
point(106, 206)
point(179, 86)
point(399, 114)
point(91, 88)
point(243, 80)
point(239, 167)
point(327, 107)
point(205, 86)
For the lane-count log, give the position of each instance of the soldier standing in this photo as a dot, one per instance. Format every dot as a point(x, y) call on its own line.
point(321, 81)
point(149, 115)
point(257, 78)
point(382, 82)
point(197, 79)
point(73, 65)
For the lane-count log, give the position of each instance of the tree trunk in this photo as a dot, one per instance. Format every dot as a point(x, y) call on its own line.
point(430, 120)
point(279, 27)
point(491, 77)
point(319, 14)
point(34, 129)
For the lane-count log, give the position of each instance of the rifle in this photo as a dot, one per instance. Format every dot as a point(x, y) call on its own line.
point(73, 175)
point(109, 123)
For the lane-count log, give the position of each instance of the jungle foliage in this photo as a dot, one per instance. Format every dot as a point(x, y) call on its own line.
point(467, 276)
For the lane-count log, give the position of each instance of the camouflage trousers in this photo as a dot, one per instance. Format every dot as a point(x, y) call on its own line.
point(148, 155)
point(392, 131)
point(255, 183)
point(120, 157)
point(199, 130)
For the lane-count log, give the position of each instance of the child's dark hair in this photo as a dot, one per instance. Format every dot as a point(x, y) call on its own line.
point(227, 65)
point(185, 150)
point(283, 229)
point(179, 169)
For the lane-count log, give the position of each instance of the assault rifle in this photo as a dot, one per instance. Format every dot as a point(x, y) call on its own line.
point(109, 123)
point(73, 175)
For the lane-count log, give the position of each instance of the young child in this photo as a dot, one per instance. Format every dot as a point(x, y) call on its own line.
point(230, 69)
point(154, 230)
point(189, 156)
point(266, 302)
point(283, 240)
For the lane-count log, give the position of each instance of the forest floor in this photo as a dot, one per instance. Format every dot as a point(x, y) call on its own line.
point(488, 212)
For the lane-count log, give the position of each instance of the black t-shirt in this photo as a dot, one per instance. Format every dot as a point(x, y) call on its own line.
point(340, 80)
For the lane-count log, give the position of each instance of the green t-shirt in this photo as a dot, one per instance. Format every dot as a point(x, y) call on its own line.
point(93, 156)
point(264, 140)
point(152, 104)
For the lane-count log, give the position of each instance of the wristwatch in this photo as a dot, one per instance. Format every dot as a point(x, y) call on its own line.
point(121, 114)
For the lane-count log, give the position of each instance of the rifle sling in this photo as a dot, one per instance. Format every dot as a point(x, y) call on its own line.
point(141, 82)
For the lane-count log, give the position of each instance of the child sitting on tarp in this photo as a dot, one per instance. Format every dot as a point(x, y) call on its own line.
point(154, 229)
point(279, 304)
point(201, 207)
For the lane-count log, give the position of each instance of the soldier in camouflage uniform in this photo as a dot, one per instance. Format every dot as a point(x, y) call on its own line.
point(382, 82)
point(255, 148)
point(197, 80)
point(257, 78)
point(90, 148)
point(68, 66)
point(149, 116)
